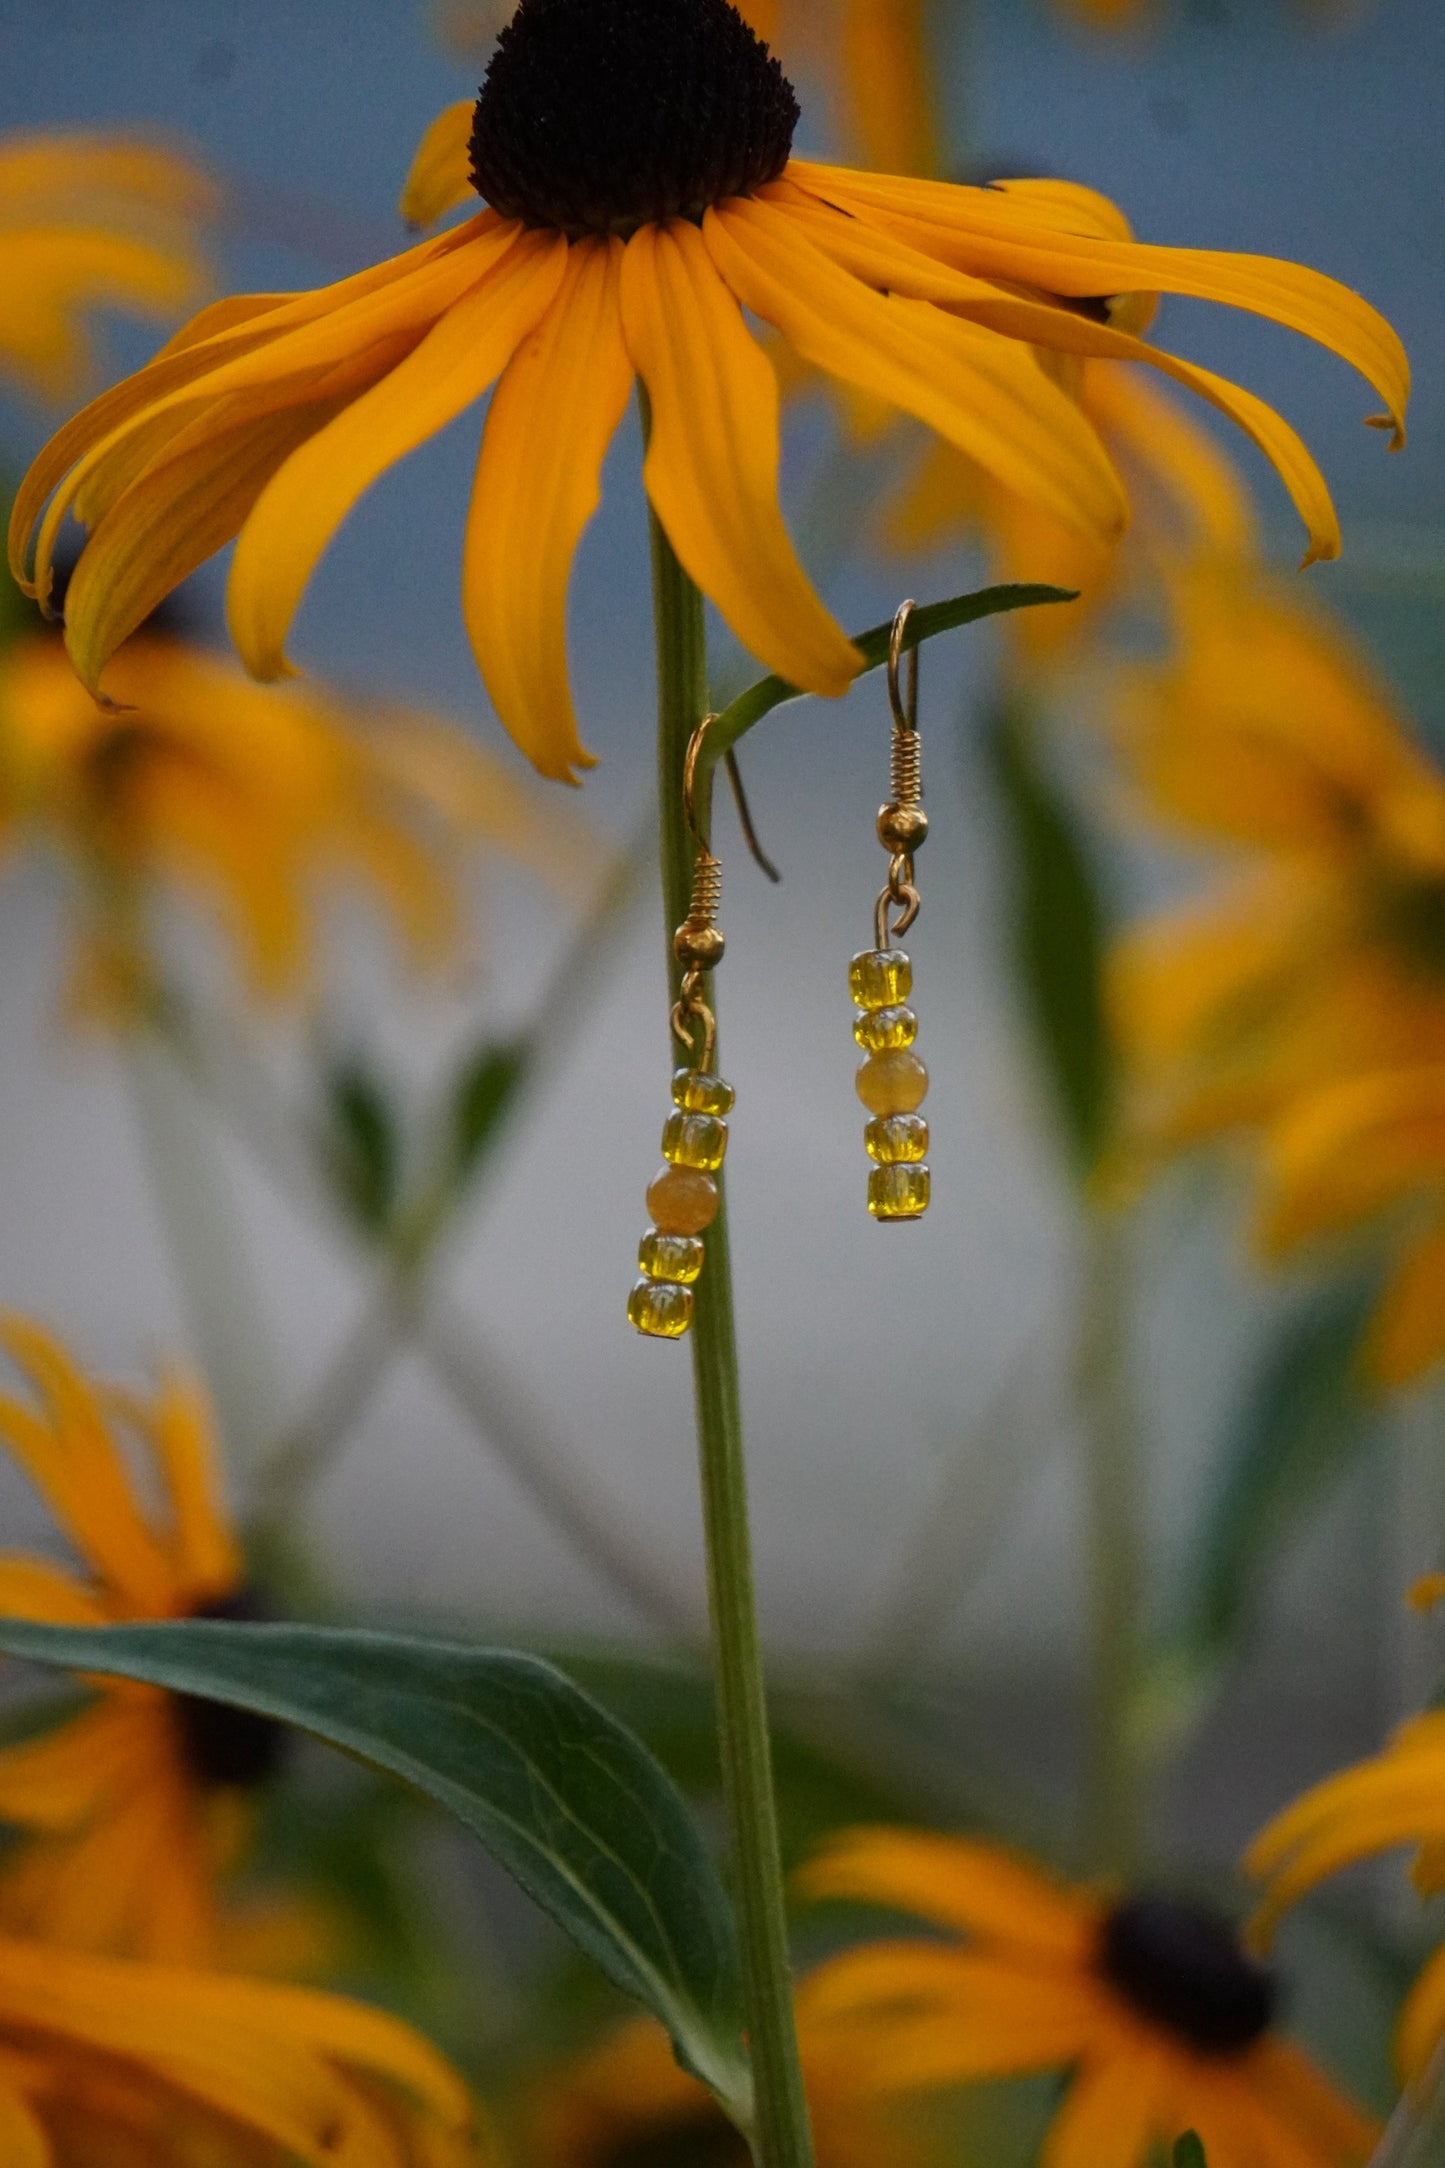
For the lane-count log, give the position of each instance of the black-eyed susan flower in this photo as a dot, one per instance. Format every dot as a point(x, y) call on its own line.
point(132, 1810)
point(1320, 950)
point(1395, 1799)
point(625, 2104)
point(107, 2063)
point(256, 802)
point(1369, 1151)
point(90, 222)
point(1164, 2022)
point(635, 155)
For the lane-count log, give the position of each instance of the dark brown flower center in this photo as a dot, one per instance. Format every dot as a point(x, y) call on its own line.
point(229, 1746)
point(702, 2138)
point(1180, 1967)
point(598, 116)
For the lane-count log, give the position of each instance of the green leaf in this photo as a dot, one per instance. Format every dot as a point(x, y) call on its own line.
point(931, 618)
point(482, 1096)
point(1305, 1417)
point(1059, 934)
point(1189, 2151)
point(362, 1144)
point(559, 1792)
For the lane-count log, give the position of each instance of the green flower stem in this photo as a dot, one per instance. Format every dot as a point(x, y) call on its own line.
point(781, 2138)
point(1114, 1534)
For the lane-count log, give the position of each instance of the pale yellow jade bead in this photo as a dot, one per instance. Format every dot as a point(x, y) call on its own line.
point(682, 1201)
point(660, 1309)
point(670, 1257)
point(893, 1082)
point(893, 1139)
point(694, 1140)
point(878, 1029)
point(880, 976)
point(898, 1192)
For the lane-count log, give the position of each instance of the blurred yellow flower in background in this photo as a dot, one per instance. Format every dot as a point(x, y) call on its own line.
point(1189, 501)
point(134, 1807)
point(90, 222)
point(1394, 1799)
point(253, 800)
point(1321, 951)
point(1351, 1154)
point(266, 420)
point(1164, 2021)
point(626, 2104)
point(106, 2063)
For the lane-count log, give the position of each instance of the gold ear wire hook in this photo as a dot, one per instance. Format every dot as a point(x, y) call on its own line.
point(697, 943)
point(902, 823)
point(904, 718)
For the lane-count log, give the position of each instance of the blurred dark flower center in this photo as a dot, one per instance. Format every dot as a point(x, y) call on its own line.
point(701, 2139)
point(1180, 1966)
point(229, 1746)
point(598, 116)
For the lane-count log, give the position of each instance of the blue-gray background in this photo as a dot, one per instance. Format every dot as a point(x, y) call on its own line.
point(873, 1358)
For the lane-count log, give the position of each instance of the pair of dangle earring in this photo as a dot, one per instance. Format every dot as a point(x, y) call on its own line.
point(892, 1081)
point(683, 1198)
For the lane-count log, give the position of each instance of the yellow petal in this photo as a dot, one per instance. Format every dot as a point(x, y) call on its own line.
point(30, 1588)
point(62, 1778)
point(440, 176)
point(1407, 1333)
point(23, 2143)
point(1110, 2116)
point(1350, 1150)
point(180, 512)
point(1171, 447)
point(1422, 2021)
point(302, 506)
point(179, 1427)
point(711, 468)
point(73, 1460)
point(538, 483)
point(885, 62)
point(994, 234)
point(973, 1888)
point(883, 263)
point(1302, 2098)
point(278, 343)
point(984, 394)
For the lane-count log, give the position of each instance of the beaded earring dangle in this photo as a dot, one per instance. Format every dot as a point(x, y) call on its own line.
point(892, 1081)
point(683, 1198)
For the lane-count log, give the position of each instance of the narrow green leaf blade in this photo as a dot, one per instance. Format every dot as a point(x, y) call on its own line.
point(1059, 933)
point(927, 621)
point(362, 1144)
point(1189, 2151)
point(483, 1094)
point(559, 1792)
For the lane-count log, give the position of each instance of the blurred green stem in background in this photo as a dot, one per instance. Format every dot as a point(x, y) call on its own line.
point(781, 2138)
point(1115, 1537)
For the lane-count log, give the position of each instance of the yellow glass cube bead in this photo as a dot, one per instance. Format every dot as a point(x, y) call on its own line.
point(898, 1192)
point(670, 1257)
point(879, 976)
point(698, 1093)
point(660, 1309)
point(893, 1139)
point(878, 1030)
point(893, 1082)
point(694, 1140)
point(682, 1201)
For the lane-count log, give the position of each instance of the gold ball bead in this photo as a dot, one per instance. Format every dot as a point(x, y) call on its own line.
point(701, 946)
point(893, 1082)
point(683, 1201)
point(902, 827)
